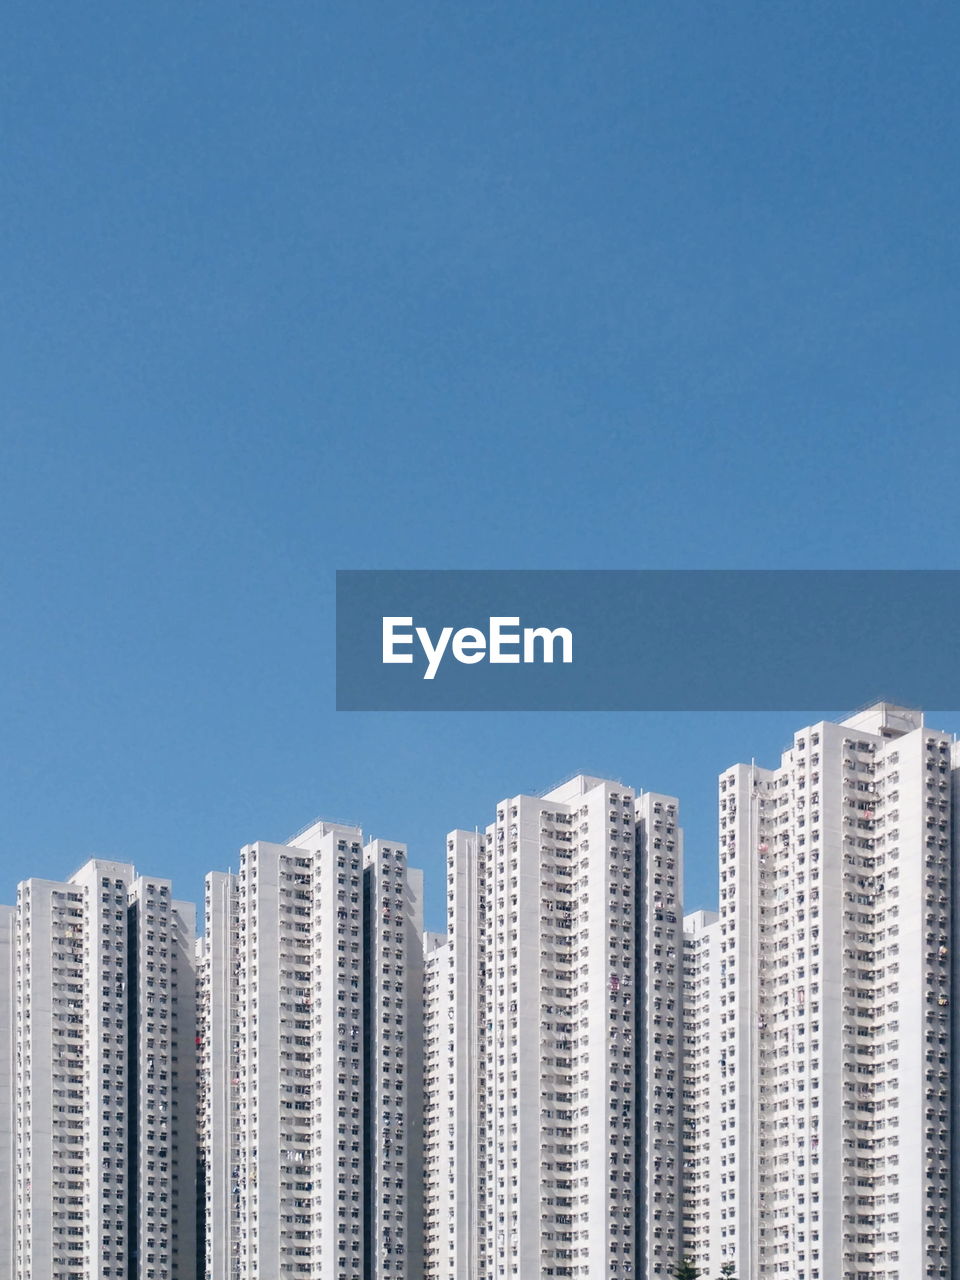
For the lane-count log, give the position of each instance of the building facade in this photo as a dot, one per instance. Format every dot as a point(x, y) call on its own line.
point(310, 1014)
point(656, 1009)
point(553, 1016)
point(833, 1076)
point(573, 1080)
point(104, 1078)
point(702, 1068)
point(454, 1077)
point(8, 1093)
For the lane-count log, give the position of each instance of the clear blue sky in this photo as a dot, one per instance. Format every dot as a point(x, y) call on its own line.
point(302, 286)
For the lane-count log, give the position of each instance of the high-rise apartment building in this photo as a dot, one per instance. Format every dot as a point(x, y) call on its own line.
point(553, 1020)
point(833, 1071)
point(656, 1112)
point(8, 1092)
point(440, 1165)
point(311, 1110)
point(103, 997)
point(454, 1130)
point(218, 1096)
point(393, 1063)
point(702, 1061)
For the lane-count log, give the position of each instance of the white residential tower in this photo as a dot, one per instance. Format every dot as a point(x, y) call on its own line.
point(553, 1042)
point(104, 1073)
point(833, 1073)
point(310, 1014)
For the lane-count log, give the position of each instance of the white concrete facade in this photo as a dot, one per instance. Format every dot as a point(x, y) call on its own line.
point(8, 1091)
point(310, 995)
point(656, 1110)
point(453, 1105)
point(105, 1078)
point(563, 944)
point(574, 1080)
point(833, 1074)
point(218, 1107)
point(163, 1092)
point(439, 1132)
point(701, 1112)
point(393, 1066)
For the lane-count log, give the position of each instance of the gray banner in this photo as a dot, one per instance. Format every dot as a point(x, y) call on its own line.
point(612, 640)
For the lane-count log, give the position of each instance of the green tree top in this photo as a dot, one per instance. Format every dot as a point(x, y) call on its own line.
point(685, 1270)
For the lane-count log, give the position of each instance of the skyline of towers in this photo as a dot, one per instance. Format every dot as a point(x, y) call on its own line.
point(573, 1079)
